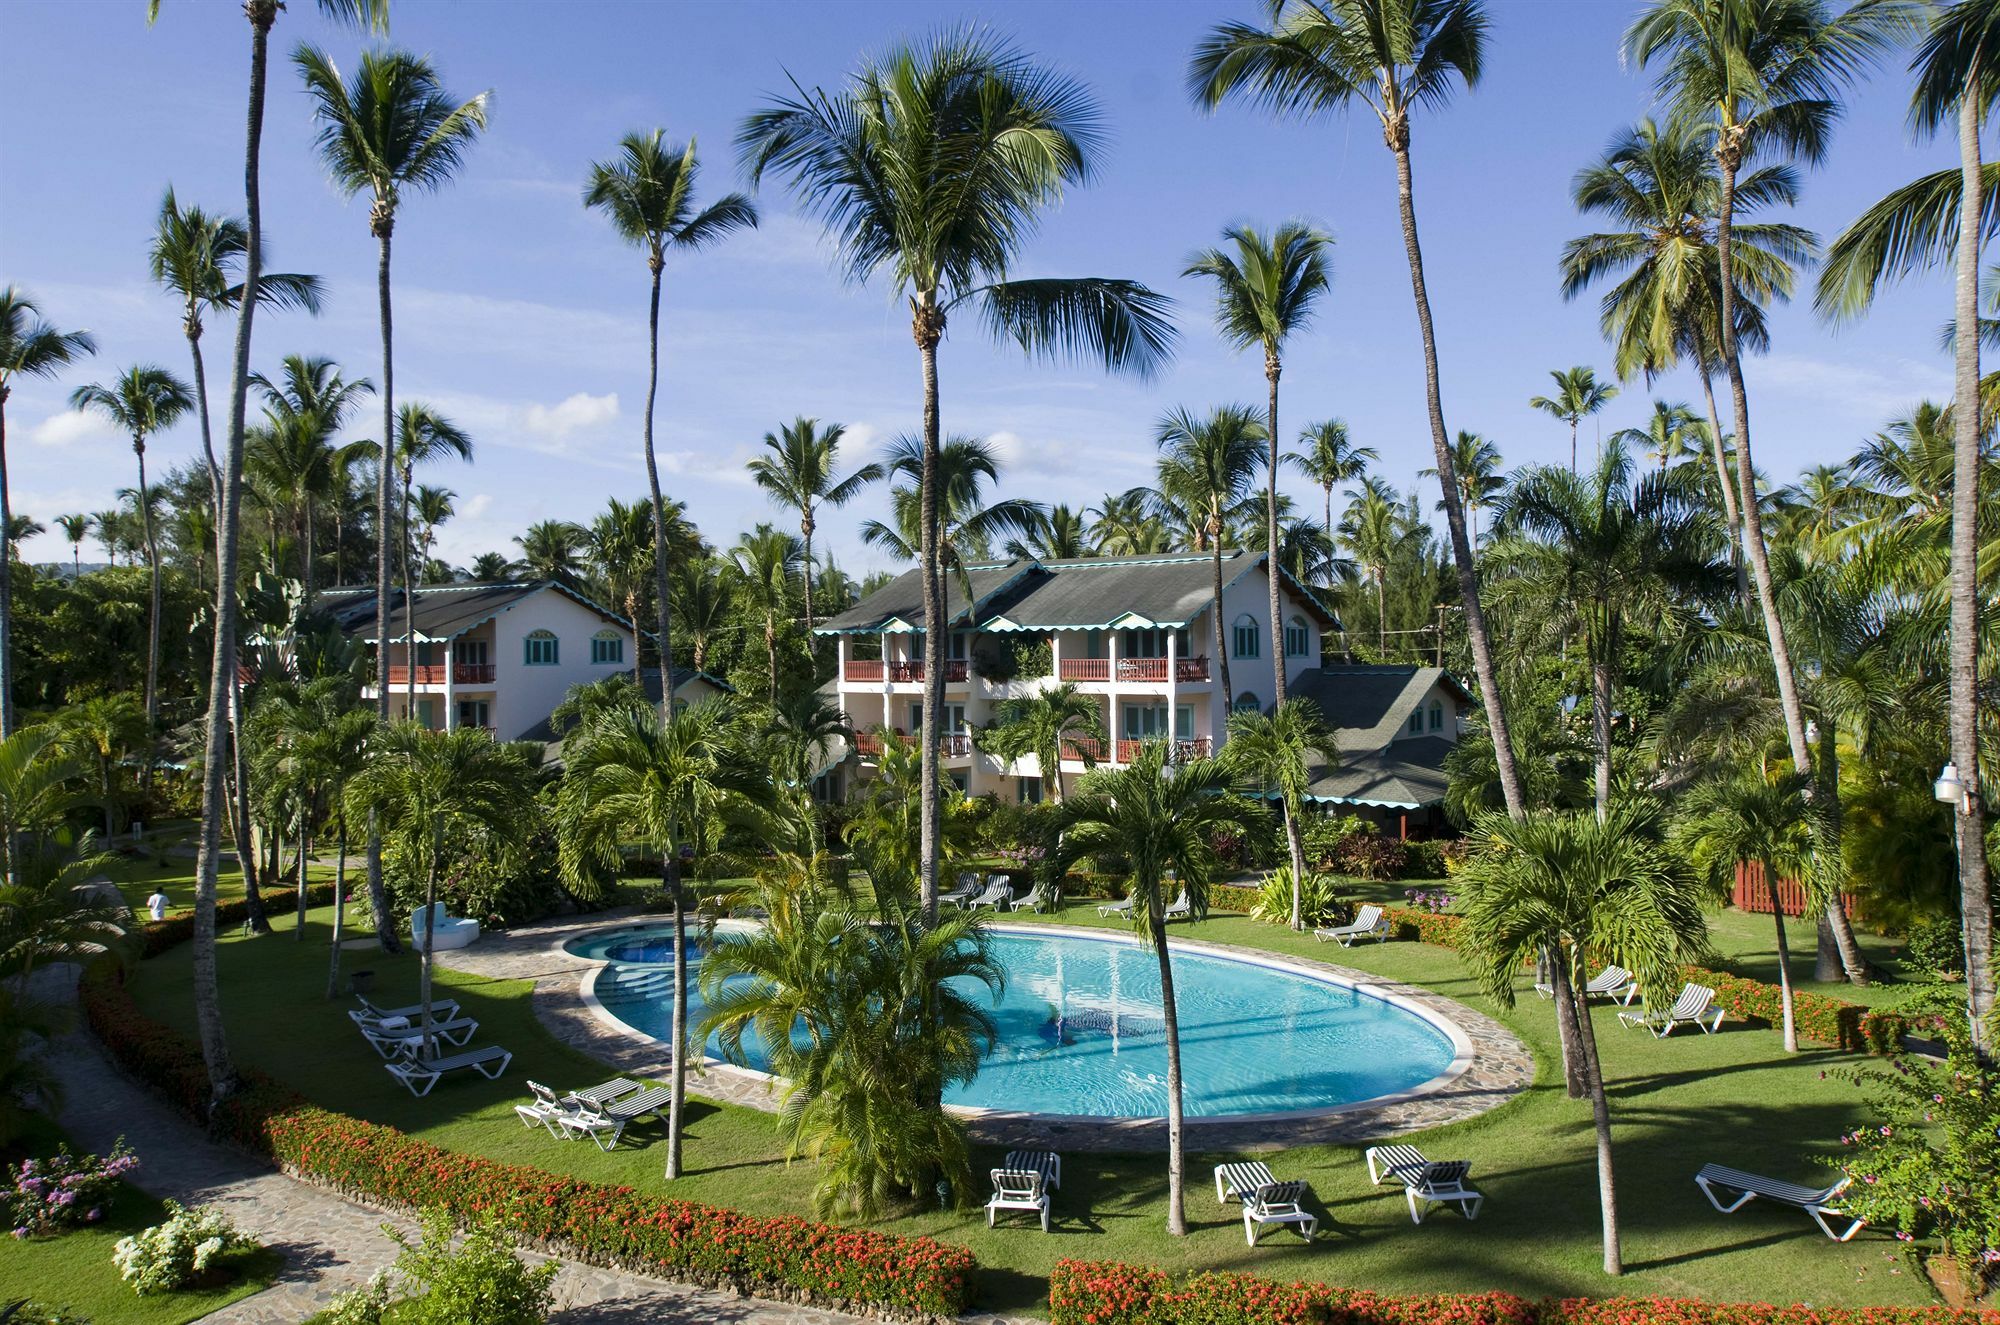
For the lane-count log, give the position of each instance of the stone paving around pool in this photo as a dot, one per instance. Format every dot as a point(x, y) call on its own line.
point(1501, 1066)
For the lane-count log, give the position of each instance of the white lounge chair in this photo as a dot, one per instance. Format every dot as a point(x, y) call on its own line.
point(446, 932)
point(1277, 1203)
point(968, 888)
point(1611, 982)
point(420, 1074)
point(440, 1007)
point(1180, 910)
point(541, 1110)
point(1238, 1180)
point(1123, 907)
point(1440, 1183)
point(1738, 1188)
point(997, 895)
point(1043, 897)
point(1694, 1007)
point(1045, 1162)
point(604, 1122)
point(1018, 1189)
point(1368, 923)
point(390, 1039)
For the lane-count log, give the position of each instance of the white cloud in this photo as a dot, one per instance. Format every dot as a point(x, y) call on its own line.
point(576, 414)
point(70, 428)
point(476, 505)
point(1871, 392)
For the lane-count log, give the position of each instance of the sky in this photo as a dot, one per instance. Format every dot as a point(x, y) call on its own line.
point(522, 315)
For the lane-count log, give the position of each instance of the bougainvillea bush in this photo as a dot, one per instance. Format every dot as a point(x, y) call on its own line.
point(65, 1190)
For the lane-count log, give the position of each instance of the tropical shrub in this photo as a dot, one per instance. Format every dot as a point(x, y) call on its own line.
point(64, 1190)
point(1320, 834)
point(1934, 948)
point(183, 1252)
point(30, 1312)
point(481, 1279)
point(1319, 898)
point(365, 1305)
point(1370, 856)
point(1434, 900)
point(1425, 859)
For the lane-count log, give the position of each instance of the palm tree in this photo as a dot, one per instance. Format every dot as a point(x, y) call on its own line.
point(1206, 466)
point(145, 400)
point(619, 552)
point(1124, 524)
point(802, 726)
point(798, 473)
point(669, 782)
point(967, 527)
point(1058, 534)
point(648, 192)
point(551, 550)
point(1330, 460)
point(29, 347)
point(1662, 183)
point(1578, 396)
point(20, 528)
point(488, 566)
point(1042, 725)
point(1746, 818)
point(1673, 432)
point(41, 777)
point(1371, 530)
point(1278, 753)
point(765, 560)
point(1318, 56)
point(291, 462)
point(931, 166)
point(1264, 292)
point(102, 731)
point(431, 506)
point(394, 128)
point(1475, 462)
point(439, 797)
point(1588, 890)
point(75, 529)
point(1908, 230)
point(704, 604)
point(422, 435)
point(1161, 821)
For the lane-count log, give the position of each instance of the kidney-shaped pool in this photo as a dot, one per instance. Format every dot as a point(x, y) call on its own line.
point(1080, 1031)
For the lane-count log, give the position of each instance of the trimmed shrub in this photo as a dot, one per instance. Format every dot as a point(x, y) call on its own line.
point(1425, 859)
point(1370, 856)
point(170, 933)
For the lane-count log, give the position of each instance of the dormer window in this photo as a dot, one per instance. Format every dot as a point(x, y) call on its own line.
point(1417, 722)
point(1298, 638)
point(540, 649)
point(607, 648)
point(1437, 716)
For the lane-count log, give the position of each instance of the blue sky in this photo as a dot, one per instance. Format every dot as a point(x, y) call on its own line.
point(523, 316)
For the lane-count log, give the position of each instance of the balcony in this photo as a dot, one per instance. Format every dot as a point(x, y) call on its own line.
point(1083, 747)
point(433, 674)
point(955, 745)
point(861, 669)
point(913, 670)
point(1135, 670)
point(868, 743)
point(1178, 751)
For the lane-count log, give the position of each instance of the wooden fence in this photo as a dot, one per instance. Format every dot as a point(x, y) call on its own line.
point(1751, 895)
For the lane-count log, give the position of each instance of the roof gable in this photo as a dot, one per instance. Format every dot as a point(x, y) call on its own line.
point(443, 611)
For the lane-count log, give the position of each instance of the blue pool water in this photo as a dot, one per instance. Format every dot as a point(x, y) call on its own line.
point(1080, 1029)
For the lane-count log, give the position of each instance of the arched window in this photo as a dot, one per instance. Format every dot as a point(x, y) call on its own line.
point(1437, 716)
point(1416, 722)
point(1243, 637)
point(540, 649)
point(1298, 638)
point(1247, 703)
point(607, 646)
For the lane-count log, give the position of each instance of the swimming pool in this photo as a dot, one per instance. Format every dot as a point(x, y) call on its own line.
point(1080, 1031)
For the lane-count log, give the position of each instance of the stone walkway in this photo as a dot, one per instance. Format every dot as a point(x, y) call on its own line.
point(330, 1245)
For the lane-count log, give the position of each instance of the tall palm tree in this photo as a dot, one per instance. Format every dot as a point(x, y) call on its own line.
point(441, 797)
point(669, 782)
point(20, 528)
point(1319, 56)
point(798, 473)
point(430, 507)
point(1662, 184)
point(1265, 291)
point(1370, 530)
point(1673, 432)
point(967, 524)
point(1331, 459)
point(1206, 466)
point(1276, 754)
point(765, 560)
point(1124, 524)
point(1588, 890)
point(1161, 822)
point(291, 460)
point(102, 732)
point(1578, 396)
point(552, 550)
point(931, 166)
point(423, 434)
point(619, 550)
point(144, 400)
point(704, 602)
point(1041, 725)
point(1059, 534)
point(75, 529)
point(1475, 462)
point(1958, 70)
point(29, 347)
point(648, 192)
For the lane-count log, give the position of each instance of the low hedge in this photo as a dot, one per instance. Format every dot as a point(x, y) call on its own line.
point(1109, 1293)
point(781, 1256)
point(171, 933)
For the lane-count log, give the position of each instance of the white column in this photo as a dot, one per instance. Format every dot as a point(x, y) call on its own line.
point(1111, 649)
point(1055, 655)
point(1173, 688)
point(888, 699)
point(840, 670)
point(450, 686)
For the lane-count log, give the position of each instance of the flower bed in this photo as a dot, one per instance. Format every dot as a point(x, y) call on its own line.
point(1109, 1293)
point(772, 1256)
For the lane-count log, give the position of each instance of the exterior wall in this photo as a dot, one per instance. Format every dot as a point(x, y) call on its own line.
point(524, 695)
point(1450, 714)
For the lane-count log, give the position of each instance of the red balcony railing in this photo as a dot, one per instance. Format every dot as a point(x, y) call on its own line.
point(862, 669)
point(1085, 669)
point(913, 670)
point(432, 674)
point(868, 743)
point(1136, 670)
point(1178, 752)
point(1083, 747)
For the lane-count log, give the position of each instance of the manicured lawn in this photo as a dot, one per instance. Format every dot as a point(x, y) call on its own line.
point(75, 1269)
point(1732, 1097)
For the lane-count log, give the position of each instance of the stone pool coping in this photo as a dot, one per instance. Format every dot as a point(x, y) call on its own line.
point(1490, 1065)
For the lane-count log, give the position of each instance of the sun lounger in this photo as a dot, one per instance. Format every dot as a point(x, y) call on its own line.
point(968, 888)
point(1018, 1189)
point(1694, 1007)
point(440, 1007)
point(1368, 923)
point(604, 1123)
point(1277, 1203)
point(1611, 982)
point(1118, 908)
point(1042, 897)
point(1045, 1162)
point(1180, 910)
point(541, 1110)
point(1386, 1162)
point(608, 1091)
point(391, 1040)
point(1425, 1182)
point(420, 1074)
point(1737, 1188)
point(1238, 1179)
point(997, 895)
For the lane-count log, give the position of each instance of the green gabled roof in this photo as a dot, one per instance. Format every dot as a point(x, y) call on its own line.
point(1404, 775)
point(901, 600)
point(1368, 706)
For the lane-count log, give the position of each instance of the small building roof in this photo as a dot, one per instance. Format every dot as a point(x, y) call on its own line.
point(1403, 775)
point(1368, 705)
point(443, 611)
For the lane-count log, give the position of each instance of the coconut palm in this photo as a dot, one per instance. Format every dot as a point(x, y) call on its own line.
point(1206, 466)
point(1277, 754)
point(802, 727)
point(967, 526)
point(798, 473)
point(552, 550)
point(29, 347)
point(1320, 56)
point(1331, 459)
point(647, 190)
point(1161, 821)
point(1475, 463)
point(618, 548)
point(1059, 533)
point(488, 566)
point(438, 797)
point(75, 529)
point(704, 602)
point(765, 560)
point(144, 400)
point(422, 434)
point(1043, 725)
point(668, 782)
point(931, 166)
point(1124, 524)
point(1589, 890)
point(1370, 530)
point(102, 732)
point(291, 462)
point(1578, 396)
point(1946, 215)
point(1673, 432)
point(1265, 292)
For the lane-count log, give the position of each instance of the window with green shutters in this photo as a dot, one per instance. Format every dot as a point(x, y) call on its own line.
point(540, 649)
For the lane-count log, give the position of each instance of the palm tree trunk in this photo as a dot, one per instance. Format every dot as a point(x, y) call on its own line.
point(806, 529)
point(152, 612)
point(409, 603)
point(1272, 368)
point(1572, 443)
point(1728, 486)
point(929, 329)
point(1221, 640)
point(430, 946)
point(1551, 965)
point(677, 1089)
point(1461, 545)
point(1600, 1115)
point(1171, 1023)
point(6, 588)
point(193, 329)
point(1296, 844)
point(771, 656)
point(305, 850)
point(1784, 956)
point(1381, 617)
point(1975, 895)
point(246, 853)
point(384, 458)
point(339, 904)
point(1600, 729)
point(307, 582)
point(665, 619)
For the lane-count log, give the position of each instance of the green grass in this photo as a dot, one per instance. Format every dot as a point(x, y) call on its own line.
point(1733, 1098)
point(75, 1271)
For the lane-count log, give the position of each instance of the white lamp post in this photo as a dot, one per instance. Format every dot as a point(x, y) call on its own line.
point(1951, 789)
